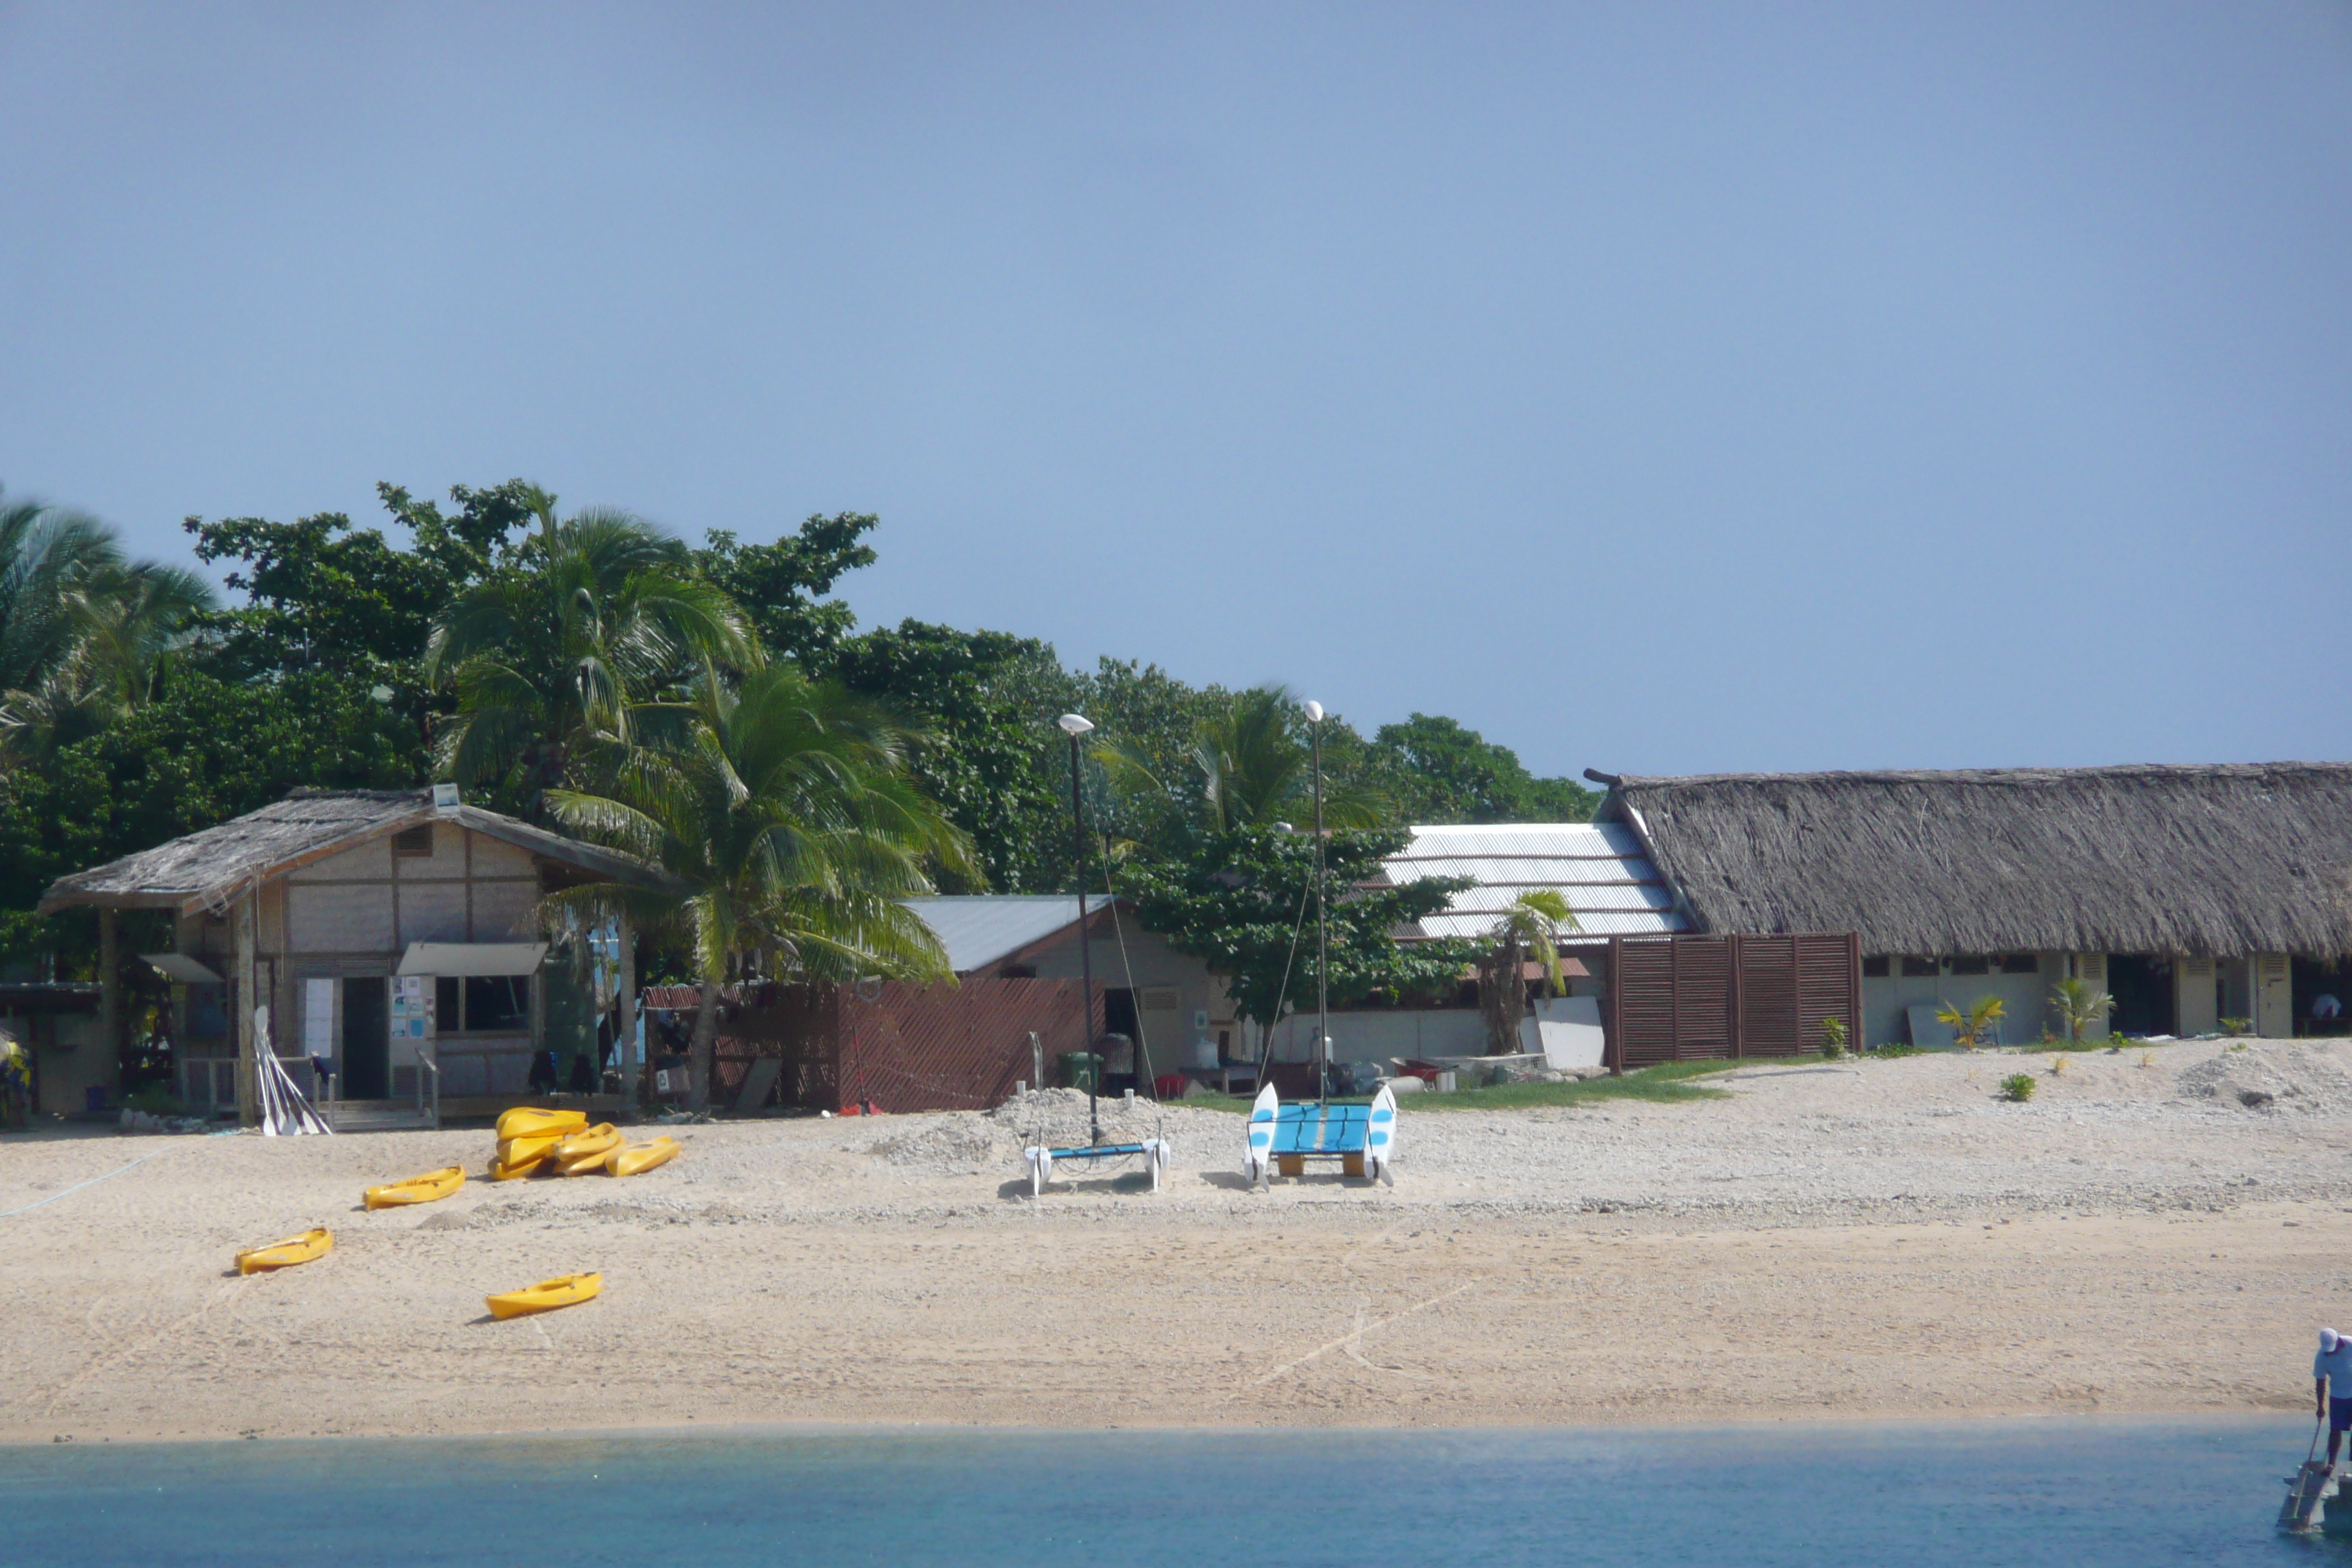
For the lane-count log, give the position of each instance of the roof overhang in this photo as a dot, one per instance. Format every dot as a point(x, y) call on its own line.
point(183, 967)
point(471, 958)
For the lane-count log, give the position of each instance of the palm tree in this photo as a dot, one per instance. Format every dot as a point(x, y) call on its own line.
point(782, 818)
point(1247, 768)
point(2078, 1006)
point(84, 637)
point(1970, 1023)
point(557, 651)
point(1530, 925)
point(128, 621)
point(44, 552)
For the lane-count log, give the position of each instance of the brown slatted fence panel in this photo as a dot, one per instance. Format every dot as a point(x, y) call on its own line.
point(1643, 1003)
point(1767, 995)
point(1686, 997)
point(1829, 985)
point(1702, 997)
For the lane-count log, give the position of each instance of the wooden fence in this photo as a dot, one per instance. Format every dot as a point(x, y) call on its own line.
point(1683, 998)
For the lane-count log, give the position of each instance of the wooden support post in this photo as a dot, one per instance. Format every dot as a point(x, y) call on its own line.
point(248, 1113)
point(110, 990)
point(625, 984)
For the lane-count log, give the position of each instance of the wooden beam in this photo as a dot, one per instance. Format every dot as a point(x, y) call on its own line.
point(241, 1006)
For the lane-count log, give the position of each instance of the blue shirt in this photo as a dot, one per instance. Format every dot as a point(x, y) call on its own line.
point(2336, 1366)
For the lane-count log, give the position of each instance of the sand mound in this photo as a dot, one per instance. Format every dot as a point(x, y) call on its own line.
point(959, 1143)
point(2279, 1077)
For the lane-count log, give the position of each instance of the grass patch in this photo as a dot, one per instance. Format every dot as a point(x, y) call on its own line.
point(1665, 1083)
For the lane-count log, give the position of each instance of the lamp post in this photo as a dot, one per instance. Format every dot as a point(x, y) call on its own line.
point(1322, 936)
point(1074, 725)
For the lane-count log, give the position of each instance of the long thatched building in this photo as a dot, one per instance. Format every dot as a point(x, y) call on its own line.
point(2193, 894)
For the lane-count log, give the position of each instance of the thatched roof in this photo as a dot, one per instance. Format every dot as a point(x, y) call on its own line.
point(211, 867)
point(2215, 861)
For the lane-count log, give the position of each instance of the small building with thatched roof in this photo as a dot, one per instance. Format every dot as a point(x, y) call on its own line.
point(2193, 894)
point(390, 934)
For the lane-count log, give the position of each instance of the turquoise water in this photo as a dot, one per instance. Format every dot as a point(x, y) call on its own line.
point(2077, 1493)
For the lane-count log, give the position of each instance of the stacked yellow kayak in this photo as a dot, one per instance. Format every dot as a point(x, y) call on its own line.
point(285, 1254)
point(563, 1290)
point(585, 1149)
point(422, 1189)
point(632, 1159)
point(531, 1140)
point(528, 1138)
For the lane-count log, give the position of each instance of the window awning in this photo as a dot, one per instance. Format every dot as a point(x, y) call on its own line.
point(472, 958)
point(180, 966)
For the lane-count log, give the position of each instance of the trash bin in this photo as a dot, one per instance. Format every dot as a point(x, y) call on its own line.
point(1080, 1069)
point(93, 1099)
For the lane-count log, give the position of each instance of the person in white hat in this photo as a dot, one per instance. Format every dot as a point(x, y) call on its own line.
point(2331, 1375)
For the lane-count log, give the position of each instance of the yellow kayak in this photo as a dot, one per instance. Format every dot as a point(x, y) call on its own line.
point(583, 1153)
point(638, 1157)
point(563, 1290)
point(507, 1170)
point(600, 1140)
point(524, 1119)
point(529, 1147)
point(285, 1254)
point(416, 1189)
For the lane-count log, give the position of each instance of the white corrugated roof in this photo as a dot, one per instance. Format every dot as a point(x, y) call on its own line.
point(1599, 868)
point(982, 929)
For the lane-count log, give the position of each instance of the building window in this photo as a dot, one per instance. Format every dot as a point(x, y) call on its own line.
point(497, 1002)
point(1974, 964)
point(1921, 968)
point(1017, 972)
point(2020, 963)
point(1874, 967)
point(412, 843)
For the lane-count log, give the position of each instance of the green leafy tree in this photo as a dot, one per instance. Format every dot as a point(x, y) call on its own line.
point(986, 702)
point(320, 593)
point(1531, 926)
point(1238, 899)
point(204, 750)
point(554, 651)
point(783, 586)
point(783, 817)
point(1441, 771)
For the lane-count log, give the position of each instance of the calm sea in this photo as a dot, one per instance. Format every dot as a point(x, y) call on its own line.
point(2076, 1493)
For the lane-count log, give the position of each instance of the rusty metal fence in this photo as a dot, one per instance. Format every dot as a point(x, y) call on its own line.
point(1683, 998)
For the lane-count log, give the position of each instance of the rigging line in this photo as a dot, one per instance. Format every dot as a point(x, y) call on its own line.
point(79, 1185)
point(1142, 1045)
point(1281, 994)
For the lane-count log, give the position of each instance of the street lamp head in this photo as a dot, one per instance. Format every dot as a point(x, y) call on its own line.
point(1074, 725)
point(1315, 712)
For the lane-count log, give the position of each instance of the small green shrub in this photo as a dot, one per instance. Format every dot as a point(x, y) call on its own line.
point(1894, 1049)
point(154, 1100)
point(2017, 1087)
point(1832, 1038)
point(2239, 1046)
point(2236, 1025)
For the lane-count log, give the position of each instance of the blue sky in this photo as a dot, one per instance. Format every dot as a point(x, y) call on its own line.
point(1663, 388)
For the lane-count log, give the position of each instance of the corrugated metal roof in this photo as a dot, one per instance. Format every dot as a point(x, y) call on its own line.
point(983, 929)
point(1600, 869)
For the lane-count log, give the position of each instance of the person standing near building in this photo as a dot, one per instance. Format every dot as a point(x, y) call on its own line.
point(2331, 1387)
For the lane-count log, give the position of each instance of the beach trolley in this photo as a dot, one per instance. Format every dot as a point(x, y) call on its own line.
point(1283, 1138)
point(1043, 1160)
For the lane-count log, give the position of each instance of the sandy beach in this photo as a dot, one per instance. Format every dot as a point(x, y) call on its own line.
point(2156, 1232)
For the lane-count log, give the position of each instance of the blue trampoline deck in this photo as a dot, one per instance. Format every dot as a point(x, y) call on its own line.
point(1322, 1132)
